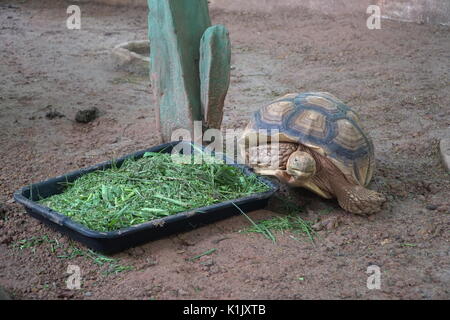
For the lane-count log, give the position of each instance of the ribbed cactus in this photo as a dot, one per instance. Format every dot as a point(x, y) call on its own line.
point(215, 54)
point(189, 64)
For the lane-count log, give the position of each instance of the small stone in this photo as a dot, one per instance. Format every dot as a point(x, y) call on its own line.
point(434, 188)
point(182, 292)
point(6, 239)
point(137, 251)
point(444, 147)
point(396, 186)
point(156, 289)
point(431, 207)
point(208, 263)
point(328, 223)
point(52, 114)
point(114, 140)
point(88, 294)
point(86, 115)
point(2, 212)
point(318, 226)
point(443, 208)
point(332, 224)
point(65, 294)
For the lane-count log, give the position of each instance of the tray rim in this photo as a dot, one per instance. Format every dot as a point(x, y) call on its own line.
point(65, 221)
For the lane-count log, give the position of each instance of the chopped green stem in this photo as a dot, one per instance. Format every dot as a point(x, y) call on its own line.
point(206, 253)
point(261, 228)
point(152, 187)
point(293, 223)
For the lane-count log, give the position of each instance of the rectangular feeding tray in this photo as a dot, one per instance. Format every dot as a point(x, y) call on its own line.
point(115, 241)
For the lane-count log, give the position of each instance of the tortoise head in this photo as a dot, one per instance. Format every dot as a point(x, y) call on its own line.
point(301, 165)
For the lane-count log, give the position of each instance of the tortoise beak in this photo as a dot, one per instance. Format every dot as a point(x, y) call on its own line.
point(300, 174)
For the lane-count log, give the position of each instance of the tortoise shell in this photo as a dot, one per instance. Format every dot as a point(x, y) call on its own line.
point(320, 121)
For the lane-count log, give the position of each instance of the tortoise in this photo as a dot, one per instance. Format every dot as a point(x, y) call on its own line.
point(313, 140)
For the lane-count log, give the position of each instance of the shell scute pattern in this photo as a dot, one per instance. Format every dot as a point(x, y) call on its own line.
point(321, 121)
point(275, 112)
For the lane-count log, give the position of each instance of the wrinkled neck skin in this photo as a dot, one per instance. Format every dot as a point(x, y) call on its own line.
point(330, 182)
point(328, 177)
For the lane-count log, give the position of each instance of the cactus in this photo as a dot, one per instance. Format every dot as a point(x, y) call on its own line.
point(215, 54)
point(176, 28)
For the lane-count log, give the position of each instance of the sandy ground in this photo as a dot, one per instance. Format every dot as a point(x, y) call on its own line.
point(397, 78)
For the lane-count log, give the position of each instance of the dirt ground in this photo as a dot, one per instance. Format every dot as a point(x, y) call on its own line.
point(397, 78)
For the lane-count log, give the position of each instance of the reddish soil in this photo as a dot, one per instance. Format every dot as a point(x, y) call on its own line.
point(397, 78)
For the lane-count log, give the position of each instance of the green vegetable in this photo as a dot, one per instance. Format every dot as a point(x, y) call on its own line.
point(206, 253)
point(152, 187)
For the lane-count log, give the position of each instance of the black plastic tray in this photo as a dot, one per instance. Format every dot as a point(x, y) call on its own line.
point(115, 241)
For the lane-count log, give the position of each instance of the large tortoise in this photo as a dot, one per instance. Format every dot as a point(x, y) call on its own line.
point(313, 140)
